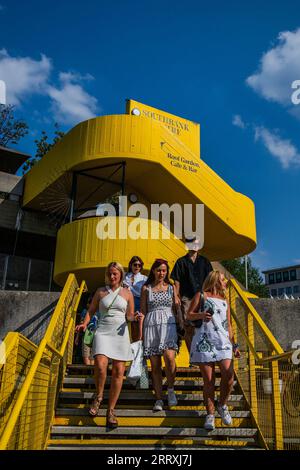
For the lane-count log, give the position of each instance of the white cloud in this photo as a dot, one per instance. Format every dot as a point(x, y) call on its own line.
point(23, 76)
point(237, 121)
point(71, 103)
point(282, 149)
point(279, 67)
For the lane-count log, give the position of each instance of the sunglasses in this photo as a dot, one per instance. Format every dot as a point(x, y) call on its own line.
point(137, 264)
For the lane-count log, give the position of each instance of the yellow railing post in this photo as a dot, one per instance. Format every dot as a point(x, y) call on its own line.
point(277, 409)
point(252, 369)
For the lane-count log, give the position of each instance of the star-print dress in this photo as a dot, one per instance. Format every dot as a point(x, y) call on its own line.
point(160, 323)
point(211, 341)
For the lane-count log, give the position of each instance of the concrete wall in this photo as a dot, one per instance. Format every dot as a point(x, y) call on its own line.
point(27, 312)
point(282, 317)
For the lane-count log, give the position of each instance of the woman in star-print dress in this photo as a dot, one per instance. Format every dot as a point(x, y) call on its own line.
point(213, 343)
point(160, 334)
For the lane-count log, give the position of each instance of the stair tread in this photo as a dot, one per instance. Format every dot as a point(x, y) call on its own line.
point(141, 394)
point(149, 430)
point(148, 413)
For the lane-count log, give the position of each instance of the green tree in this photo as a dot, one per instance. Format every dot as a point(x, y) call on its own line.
point(236, 267)
point(43, 146)
point(11, 129)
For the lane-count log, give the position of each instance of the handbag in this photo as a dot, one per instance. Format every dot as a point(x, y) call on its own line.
point(135, 369)
point(88, 337)
point(198, 323)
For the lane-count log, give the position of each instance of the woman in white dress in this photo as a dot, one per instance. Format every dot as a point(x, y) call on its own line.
point(160, 335)
point(213, 343)
point(111, 340)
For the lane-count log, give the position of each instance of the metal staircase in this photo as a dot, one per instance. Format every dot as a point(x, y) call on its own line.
point(180, 427)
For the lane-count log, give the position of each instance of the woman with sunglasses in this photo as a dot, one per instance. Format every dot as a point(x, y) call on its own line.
point(160, 335)
point(134, 280)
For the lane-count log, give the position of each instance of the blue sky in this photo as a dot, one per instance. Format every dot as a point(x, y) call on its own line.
point(227, 65)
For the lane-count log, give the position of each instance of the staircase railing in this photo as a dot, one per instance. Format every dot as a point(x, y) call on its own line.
point(31, 375)
point(268, 376)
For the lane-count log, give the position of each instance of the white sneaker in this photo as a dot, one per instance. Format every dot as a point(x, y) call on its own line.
point(158, 405)
point(209, 424)
point(225, 415)
point(172, 400)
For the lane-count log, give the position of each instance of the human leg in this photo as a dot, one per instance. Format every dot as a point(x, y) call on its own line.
point(118, 368)
point(170, 367)
point(208, 375)
point(100, 369)
point(188, 329)
point(227, 378)
point(156, 376)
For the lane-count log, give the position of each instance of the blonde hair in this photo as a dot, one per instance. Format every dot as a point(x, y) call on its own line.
point(119, 267)
point(212, 284)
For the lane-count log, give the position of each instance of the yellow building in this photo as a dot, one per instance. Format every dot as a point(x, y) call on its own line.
point(152, 157)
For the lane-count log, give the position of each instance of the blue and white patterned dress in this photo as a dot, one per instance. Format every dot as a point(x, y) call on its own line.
point(160, 324)
point(211, 341)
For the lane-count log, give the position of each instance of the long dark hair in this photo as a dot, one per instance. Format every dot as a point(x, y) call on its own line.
point(133, 260)
point(155, 265)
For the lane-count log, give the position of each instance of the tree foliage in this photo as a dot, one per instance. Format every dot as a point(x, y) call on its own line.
point(11, 129)
point(43, 146)
point(236, 267)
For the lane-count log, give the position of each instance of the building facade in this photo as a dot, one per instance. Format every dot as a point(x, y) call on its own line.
point(284, 281)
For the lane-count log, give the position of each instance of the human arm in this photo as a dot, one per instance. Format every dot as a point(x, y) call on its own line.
point(193, 311)
point(176, 275)
point(236, 351)
point(177, 299)
point(91, 311)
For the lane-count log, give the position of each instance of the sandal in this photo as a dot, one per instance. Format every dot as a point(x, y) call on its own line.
point(96, 403)
point(111, 420)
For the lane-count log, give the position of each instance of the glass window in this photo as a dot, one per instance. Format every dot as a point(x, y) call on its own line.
point(281, 291)
point(288, 290)
point(278, 277)
point(286, 276)
point(293, 275)
point(273, 292)
point(296, 289)
point(271, 278)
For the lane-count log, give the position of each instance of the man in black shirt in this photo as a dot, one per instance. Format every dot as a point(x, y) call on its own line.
point(188, 274)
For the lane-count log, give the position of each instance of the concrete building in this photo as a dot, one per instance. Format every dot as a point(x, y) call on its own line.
point(27, 238)
point(283, 281)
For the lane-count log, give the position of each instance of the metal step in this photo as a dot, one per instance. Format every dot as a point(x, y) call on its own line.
point(165, 432)
point(148, 413)
point(180, 384)
point(82, 369)
point(141, 395)
point(152, 420)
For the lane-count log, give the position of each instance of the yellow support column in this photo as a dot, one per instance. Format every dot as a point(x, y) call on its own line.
point(277, 406)
point(252, 370)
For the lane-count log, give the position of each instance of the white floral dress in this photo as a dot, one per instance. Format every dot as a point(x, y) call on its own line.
point(211, 341)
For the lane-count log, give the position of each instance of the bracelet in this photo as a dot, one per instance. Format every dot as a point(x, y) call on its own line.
point(235, 346)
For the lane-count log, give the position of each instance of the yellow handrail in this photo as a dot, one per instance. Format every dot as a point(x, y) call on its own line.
point(268, 378)
point(68, 304)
